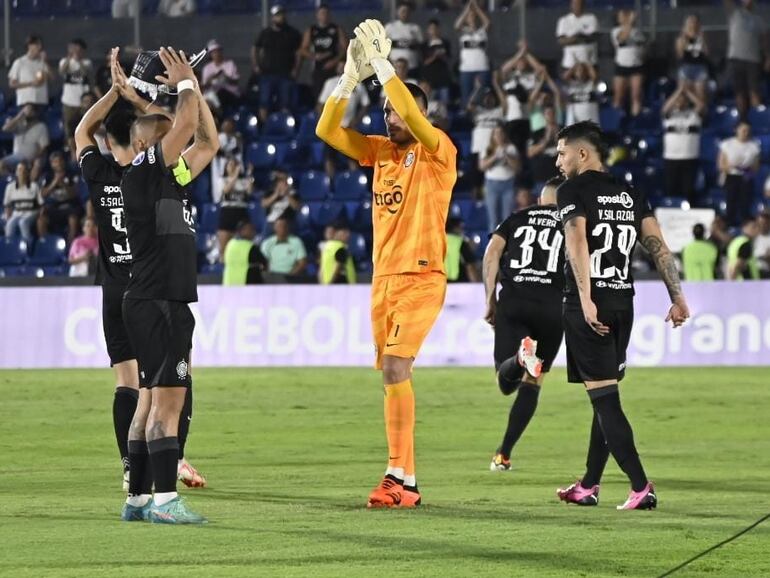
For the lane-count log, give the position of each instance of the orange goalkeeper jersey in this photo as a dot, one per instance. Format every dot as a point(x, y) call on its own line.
point(411, 192)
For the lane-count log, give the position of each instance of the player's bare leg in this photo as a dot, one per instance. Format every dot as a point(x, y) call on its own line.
point(186, 472)
point(124, 407)
point(139, 498)
point(399, 486)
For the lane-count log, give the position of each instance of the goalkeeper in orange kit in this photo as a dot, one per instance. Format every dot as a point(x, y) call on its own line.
point(414, 172)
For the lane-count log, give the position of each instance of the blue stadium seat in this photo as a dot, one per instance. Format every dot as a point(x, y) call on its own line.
point(299, 155)
point(723, 120)
point(362, 219)
point(302, 221)
point(372, 124)
point(759, 119)
point(611, 118)
point(759, 181)
point(280, 125)
point(764, 141)
point(709, 148)
point(715, 199)
point(350, 186)
point(646, 123)
point(477, 217)
point(650, 146)
point(324, 213)
point(248, 125)
point(257, 215)
point(314, 186)
point(49, 250)
point(21, 271)
point(55, 271)
point(200, 189)
point(672, 202)
point(209, 218)
point(357, 246)
point(479, 241)
point(229, 7)
point(264, 155)
point(13, 251)
point(213, 269)
point(307, 124)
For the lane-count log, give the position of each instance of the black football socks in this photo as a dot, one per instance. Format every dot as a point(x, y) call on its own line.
point(598, 454)
point(618, 433)
point(140, 472)
point(184, 421)
point(123, 408)
point(509, 375)
point(522, 410)
point(163, 457)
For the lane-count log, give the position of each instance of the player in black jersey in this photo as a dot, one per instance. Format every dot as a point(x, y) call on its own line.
point(163, 283)
point(603, 217)
point(526, 254)
point(103, 177)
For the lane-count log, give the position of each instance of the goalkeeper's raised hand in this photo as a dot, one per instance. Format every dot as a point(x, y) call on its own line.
point(356, 70)
point(376, 46)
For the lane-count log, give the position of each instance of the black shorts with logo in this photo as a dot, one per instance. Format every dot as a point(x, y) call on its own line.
point(592, 357)
point(115, 335)
point(517, 318)
point(161, 332)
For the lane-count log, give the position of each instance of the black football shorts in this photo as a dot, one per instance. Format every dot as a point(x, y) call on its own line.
point(161, 332)
point(517, 318)
point(592, 357)
point(115, 335)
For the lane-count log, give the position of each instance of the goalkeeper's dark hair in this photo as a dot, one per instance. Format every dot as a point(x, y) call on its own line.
point(118, 126)
point(418, 94)
point(587, 131)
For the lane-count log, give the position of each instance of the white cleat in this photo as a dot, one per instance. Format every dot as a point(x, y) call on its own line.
point(527, 358)
point(125, 480)
point(189, 476)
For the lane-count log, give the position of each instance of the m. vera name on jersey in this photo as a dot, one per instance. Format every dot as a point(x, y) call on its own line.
point(543, 218)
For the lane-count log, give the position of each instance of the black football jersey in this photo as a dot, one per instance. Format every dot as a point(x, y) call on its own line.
point(613, 211)
point(325, 42)
point(103, 175)
point(161, 231)
point(532, 264)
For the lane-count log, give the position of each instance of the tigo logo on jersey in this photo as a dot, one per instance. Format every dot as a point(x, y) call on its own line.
point(409, 160)
point(623, 199)
point(390, 201)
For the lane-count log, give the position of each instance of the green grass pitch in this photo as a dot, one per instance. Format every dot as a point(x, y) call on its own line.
point(291, 454)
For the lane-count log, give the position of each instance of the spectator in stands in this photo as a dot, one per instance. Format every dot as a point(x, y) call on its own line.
point(230, 145)
point(761, 244)
point(581, 95)
point(62, 208)
point(86, 102)
point(738, 163)
point(84, 249)
point(30, 140)
point(77, 73)
point(219, 78)
point(576, 32)
point(682, 119)
point(437, 111)
point(276, 57)
point(29, 74)
point(487, 108)
point(176, 8)
point(692, 52)
point(283, 202)
point(472, 24)
point(525, 198)
point(436, 65)
point(629, 43)
point(460, 261)
point(540, 98)
point(336, 263)
point(22, 202)
point(699, 257)
point(354, 113)
point(518, 77)
point(407, 38)
point(236, 194)
point(243, 260)
point(324, 43)
point(124, 8)
point(500, 165)
point(747, 38)
point(741, 263)
point(542, 147)
point(284, 252)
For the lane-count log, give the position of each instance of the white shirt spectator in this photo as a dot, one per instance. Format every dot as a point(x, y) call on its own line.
point(407, 39)
point(176, 8)
point(501, 170)
point(484, 122)
point(682, 135)
point(517, 89)
point(582, 102)
point(29, 140)
point(571, 25)
point(358, 100)
point(76, 74)
point(22, 201)
point(761, 250)
point(221, 75)
point(473, 50)
point(24, 69)
point(629, 53)
point(741, 156)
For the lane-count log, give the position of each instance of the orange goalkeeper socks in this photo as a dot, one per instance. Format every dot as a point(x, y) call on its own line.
point(399, 428)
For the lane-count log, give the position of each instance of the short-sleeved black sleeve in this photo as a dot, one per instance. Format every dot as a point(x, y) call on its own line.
point(745, 251)
point(570, 202)
point(94, 167)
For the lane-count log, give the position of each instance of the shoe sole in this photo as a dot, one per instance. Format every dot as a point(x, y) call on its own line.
point(493, 467)
point(537, 366)
point(193, 484)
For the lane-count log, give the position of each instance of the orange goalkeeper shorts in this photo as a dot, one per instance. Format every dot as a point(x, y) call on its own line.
point(404, 309)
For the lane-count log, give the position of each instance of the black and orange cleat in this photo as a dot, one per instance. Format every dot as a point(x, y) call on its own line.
point(388, 494)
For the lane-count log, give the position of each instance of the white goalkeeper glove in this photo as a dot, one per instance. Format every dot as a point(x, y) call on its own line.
point(376, 46)
point(356, 70)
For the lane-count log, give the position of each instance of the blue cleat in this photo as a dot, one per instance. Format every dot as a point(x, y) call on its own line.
point(174, 512)
point(136, 513)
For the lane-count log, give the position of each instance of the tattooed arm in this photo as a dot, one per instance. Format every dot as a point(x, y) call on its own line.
point(653, 241)
point(205, 142)
point(579, 261)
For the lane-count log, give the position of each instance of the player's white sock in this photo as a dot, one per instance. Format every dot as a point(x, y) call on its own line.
point(162, 498)
point(139, 501)
point(395, 472)
point(410, 481)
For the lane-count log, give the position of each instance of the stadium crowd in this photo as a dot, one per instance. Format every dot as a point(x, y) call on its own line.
point(299, 211)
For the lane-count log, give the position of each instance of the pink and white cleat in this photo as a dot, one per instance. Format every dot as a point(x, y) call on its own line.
point(577, 494)
point(644, 500)
point(527, 357)
point(189, 476)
